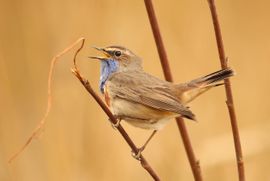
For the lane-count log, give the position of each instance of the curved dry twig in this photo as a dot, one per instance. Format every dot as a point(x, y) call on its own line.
point(113, 120)
point(42, 122)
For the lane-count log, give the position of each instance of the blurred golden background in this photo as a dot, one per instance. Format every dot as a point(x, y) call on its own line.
point(78, 143)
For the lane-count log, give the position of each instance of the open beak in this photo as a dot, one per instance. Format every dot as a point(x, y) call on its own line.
point(104, 51)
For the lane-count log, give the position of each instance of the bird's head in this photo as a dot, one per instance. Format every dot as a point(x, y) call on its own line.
point(115, 59)
point(123, 57)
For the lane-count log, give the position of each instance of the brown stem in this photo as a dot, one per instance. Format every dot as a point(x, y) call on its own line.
point(122, 131)
point(230, 105)
point(194, 163)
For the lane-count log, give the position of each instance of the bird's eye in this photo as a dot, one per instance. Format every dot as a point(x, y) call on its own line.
point(117, 53)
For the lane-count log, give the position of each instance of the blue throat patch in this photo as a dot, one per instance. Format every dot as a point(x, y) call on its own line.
point(107, 67)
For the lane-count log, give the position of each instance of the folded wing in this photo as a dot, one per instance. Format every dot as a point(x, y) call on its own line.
point(150, 91)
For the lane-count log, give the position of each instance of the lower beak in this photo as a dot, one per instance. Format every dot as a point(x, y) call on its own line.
point(99, 58)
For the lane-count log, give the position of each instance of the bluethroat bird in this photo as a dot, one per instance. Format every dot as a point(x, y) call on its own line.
point(144, 100)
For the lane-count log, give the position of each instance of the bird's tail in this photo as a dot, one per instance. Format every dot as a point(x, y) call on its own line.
point(213, 78)
point(196, 87)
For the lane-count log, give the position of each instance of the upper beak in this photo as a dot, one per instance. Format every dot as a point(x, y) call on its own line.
point(99, 49)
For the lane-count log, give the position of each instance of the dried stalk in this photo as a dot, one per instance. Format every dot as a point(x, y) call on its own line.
point(194, 163)
point(42, 122)
point(230, 105)
point(113, 120)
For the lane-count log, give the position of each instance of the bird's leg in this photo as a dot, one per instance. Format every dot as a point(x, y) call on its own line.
point(115, 125)
point(138, 154)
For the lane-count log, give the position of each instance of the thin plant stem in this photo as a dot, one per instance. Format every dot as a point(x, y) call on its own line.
point(194, 163)
point(87, 86)
point(230, 104)
point(113, 120)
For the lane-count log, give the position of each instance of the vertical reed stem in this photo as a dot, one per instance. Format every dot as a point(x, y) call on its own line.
point(194, 163)
point(230, 105)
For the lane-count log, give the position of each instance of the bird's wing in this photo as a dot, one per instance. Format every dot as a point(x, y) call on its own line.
point(147, 90)
point(166, 104)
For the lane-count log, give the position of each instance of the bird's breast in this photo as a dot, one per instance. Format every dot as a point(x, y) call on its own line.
point(107, 96)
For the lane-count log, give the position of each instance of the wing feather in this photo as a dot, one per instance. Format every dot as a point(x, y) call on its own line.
point(149, 91)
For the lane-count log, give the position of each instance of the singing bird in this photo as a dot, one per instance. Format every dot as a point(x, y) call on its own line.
point(144, 100)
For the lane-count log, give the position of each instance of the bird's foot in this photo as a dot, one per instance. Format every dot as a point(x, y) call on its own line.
point(138, 155)
point(115, 125)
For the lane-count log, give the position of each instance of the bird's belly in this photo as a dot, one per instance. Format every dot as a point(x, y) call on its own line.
point(140, 115)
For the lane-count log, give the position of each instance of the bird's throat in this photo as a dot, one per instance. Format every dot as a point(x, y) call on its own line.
point(106, 69)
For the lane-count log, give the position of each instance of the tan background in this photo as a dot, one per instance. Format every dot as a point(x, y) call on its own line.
point(78, 142)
